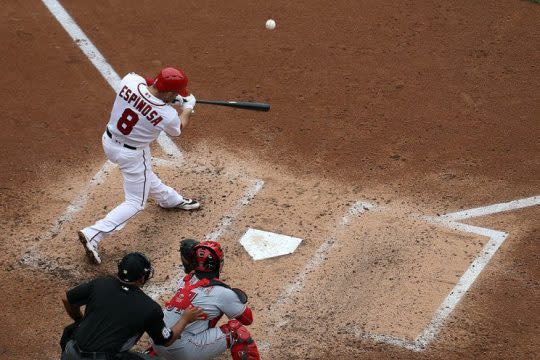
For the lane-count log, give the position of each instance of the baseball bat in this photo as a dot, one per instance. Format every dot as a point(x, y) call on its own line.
point(246, 105)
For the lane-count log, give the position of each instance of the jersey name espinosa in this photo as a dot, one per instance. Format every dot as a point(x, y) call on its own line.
point(140, 105)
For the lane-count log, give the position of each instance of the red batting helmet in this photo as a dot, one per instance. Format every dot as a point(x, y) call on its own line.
point(171, 79)
point(208, 257)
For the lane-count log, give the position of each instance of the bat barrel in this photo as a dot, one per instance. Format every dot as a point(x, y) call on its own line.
point(247, 105)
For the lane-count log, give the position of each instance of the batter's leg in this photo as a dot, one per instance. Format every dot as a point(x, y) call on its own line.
point(167, 197)
point(164, 195)
point(135, 168)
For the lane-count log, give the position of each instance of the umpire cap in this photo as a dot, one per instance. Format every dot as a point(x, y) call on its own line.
point(133, 266)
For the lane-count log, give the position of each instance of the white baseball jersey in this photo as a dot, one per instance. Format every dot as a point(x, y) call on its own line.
point(137, 117)
point(214, 300)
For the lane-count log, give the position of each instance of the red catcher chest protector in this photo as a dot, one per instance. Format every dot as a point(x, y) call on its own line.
point(182, 299)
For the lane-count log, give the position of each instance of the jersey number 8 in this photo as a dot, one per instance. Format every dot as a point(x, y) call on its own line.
point(127, 121)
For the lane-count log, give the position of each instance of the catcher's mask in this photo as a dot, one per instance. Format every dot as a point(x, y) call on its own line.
point(208, 257)
point(133, 266)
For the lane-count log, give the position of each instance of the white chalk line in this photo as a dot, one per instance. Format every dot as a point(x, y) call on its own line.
point(155, 290)
point(34, 259)
point(493, 209)
point(165, 162)
point(277, 309)
point(170, 148)
point(80, 201)
point(386, 339)
point(315, 261)
point(32, 256)
point(84, 43)
point(496, 239)
point(227, 220)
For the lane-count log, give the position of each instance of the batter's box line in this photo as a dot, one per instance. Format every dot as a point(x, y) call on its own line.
point(277, 309)
point(318, 258)
point(496, 239)
point(34, 258)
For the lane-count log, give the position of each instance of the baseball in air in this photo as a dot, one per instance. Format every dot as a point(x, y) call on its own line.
point(270, 24)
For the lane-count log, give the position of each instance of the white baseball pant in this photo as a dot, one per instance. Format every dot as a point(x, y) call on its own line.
point(202, 346)
point(140, 183)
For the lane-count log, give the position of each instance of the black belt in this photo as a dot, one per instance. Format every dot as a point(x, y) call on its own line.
point(124, 145)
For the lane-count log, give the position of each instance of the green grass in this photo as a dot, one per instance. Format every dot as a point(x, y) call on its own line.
point(536, 1)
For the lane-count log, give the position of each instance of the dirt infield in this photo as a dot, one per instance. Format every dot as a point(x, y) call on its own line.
point(385, 116)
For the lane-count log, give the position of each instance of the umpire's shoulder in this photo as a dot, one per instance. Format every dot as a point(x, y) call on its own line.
point(153, 308)
point(151, 302)
point(99, 280)
point(106, 279)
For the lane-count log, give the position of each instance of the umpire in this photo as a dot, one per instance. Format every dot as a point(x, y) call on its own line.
point(117, 314)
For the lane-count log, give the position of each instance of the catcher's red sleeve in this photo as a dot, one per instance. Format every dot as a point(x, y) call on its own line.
point(246, 318)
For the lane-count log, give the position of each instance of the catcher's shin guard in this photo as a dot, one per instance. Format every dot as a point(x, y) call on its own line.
point(239, 340)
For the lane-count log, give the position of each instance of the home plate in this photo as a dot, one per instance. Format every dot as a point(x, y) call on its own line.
point(263, 244)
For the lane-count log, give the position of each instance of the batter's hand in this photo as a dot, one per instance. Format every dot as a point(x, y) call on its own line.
point(178, 100)
point(189, 102)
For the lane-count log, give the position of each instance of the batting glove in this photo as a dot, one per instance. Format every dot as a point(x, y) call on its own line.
point(178, 100)
point(189, 102)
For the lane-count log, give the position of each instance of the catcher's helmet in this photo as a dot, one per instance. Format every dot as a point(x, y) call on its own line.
point(133, 266)
point(171, 79)
point(207, 257)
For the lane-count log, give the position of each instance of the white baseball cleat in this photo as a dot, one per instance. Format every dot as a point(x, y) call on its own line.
point(91, 250)
point(188, 204)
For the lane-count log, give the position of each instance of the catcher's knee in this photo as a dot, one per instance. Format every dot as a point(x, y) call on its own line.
point(240, 342)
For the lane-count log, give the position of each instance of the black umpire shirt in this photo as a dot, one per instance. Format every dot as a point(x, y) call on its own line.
point(116, 316)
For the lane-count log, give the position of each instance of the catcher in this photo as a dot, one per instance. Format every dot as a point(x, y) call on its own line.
point(201, 287)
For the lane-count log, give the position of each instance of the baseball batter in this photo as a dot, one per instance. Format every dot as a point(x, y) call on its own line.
point(202, 288)
point(142, 109)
